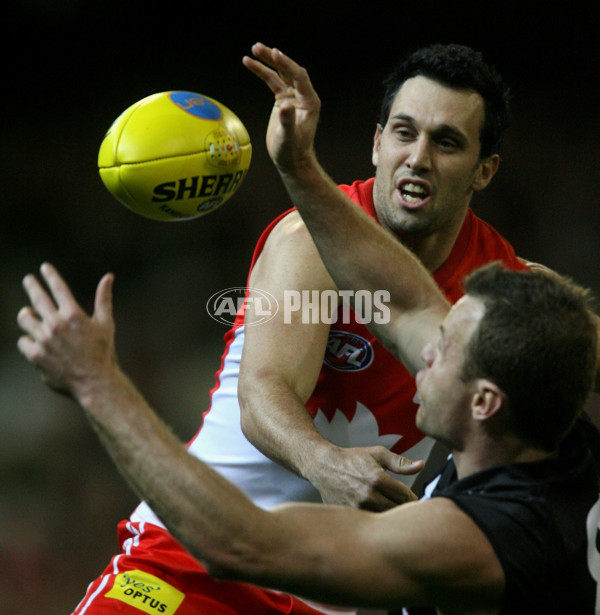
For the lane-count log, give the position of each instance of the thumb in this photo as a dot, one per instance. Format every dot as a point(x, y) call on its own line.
point(401, 465)
point(287, 117)
point(103, 312)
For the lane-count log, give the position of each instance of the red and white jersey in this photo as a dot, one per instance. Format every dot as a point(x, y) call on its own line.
point(363, 396)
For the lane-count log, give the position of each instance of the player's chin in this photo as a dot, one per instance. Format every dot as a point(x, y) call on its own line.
point(420, 418)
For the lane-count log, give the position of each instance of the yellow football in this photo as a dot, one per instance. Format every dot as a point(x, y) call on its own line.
point(175, 155)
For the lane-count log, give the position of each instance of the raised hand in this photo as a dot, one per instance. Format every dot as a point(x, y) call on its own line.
point(293, 123)
point(70, 348)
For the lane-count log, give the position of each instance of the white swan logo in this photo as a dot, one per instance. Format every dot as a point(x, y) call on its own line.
point(362, 430)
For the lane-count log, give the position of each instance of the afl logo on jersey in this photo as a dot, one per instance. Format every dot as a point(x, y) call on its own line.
point(348, 352)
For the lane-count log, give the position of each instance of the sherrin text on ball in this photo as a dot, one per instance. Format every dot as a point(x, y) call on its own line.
point(175, 155)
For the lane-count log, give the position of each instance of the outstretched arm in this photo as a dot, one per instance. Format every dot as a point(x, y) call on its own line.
point(331, 554)
point(75, 355)
point(357, 252)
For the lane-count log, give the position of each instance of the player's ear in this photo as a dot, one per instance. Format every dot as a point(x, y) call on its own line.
point(376, 142)
point(487, 400)
point(486, 169)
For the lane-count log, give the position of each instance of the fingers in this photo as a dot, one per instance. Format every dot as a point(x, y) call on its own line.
point(48, 305)
point(39, 298)
point(60, 291)
point(263, 65)
point(30, 324)
point(28, 320)
point(27, 347)
point(266, 67)
point(289, 71)
point(272, 57)
point(387, 491)
point(394, 491)
point(60, 339)
point(391, 488)
point(38, 318)
point(269, 76)
point(279, 71)
point(47, 309)
point(103, 311)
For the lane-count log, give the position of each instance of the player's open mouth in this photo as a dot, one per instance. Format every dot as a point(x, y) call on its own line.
point(413, 193)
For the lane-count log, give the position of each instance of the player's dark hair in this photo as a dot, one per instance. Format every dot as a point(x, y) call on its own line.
point(458, 67)
point(537, 342)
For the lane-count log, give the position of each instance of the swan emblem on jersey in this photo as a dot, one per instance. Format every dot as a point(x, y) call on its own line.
point(348, 352)
point(361, 430)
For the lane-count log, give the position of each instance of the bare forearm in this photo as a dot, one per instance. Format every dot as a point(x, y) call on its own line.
point(75, 355)
point(360, 255)
point(275, 420)
point(358, 252)
point(338, 228)
point(205, 512)
point(211, 517)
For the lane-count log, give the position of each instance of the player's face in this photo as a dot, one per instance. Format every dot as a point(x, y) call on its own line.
point(428, 158)
point(445, 399)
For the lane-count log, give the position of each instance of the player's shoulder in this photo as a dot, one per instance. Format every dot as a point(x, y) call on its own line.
point(289, 254)
point(289, 232)
point(290, 224)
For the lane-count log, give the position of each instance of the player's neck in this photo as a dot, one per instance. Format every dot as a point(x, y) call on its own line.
point(485, 454)
point(432, 249)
